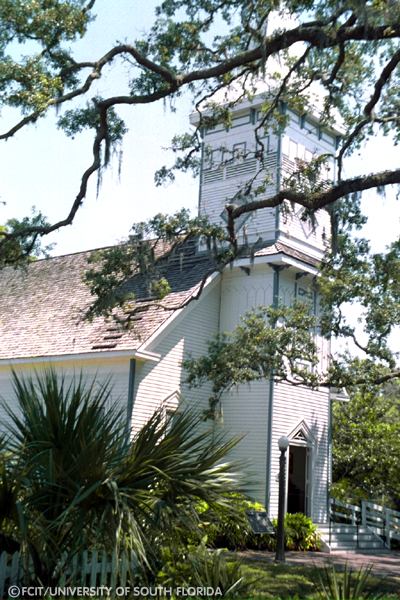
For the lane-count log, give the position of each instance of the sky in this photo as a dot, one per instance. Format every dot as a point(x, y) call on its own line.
point(42, 168)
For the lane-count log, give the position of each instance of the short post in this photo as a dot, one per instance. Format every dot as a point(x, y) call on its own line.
point(283, 444)
point(363, 513)
point(387, 524)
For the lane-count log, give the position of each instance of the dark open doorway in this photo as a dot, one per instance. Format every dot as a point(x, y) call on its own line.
point(297, 480)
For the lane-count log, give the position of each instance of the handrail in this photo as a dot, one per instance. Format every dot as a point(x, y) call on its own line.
point(381, 520)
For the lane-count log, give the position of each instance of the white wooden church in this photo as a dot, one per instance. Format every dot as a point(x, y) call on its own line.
point(41, 318)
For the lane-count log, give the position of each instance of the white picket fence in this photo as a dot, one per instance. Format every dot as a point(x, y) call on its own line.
point(383, 521)
point(95, 568)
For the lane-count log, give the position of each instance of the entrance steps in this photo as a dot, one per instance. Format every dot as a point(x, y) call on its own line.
point(346, 537)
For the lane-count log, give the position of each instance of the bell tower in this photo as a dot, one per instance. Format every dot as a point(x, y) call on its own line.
point(232, 158)
point(280, 268)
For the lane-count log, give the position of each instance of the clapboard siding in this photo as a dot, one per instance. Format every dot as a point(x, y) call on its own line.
point(225, 178)
point(241, 292)
point(245, 409)
point(245, 413)
point(309, 138)
point(102, 370)
point(156, 382)
point(290, 289)
point(290, 406)
point(302, 234)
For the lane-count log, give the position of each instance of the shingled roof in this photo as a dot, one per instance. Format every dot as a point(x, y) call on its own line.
point(41, 308)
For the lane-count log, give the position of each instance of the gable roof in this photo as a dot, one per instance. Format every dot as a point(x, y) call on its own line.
point(42, 307)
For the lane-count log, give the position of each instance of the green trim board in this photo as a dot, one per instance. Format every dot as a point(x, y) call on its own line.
point(131, 394)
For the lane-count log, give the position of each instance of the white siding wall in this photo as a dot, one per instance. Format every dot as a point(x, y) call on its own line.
point(241, 292)
point(155, 382)
point(222, 179)
point(245, 413)
point(305, 289)
point(245, 409)
point(101, 370)
point(221, 182)
point(290, 406)
point(303, 140)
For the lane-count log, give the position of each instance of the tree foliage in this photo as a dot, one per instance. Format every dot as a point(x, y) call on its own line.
point(366, 448)
point(337, 57)
point(268, 340)
point(70, 480)
point(347, 50)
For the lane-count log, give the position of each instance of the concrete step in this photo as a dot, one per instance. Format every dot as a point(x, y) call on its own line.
point(340, 545)
point(338, 528)
point(350, 536)
point(345, 537)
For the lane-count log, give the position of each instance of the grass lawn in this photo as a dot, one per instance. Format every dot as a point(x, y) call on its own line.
point(297, 581)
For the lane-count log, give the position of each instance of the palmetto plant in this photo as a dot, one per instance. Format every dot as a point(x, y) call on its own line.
point(349, 585)
point(78, 482)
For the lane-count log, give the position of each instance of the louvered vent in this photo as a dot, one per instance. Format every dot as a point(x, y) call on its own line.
point(247, 167)
point(211, 176)
point(269, 161)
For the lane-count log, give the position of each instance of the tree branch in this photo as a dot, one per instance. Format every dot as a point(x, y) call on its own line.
point(369, 107)
point(312, 33)
point(319, 199)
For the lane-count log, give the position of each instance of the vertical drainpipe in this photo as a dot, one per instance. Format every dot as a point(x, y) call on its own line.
point(329, 478)
point(131, 394)
point(275, 299)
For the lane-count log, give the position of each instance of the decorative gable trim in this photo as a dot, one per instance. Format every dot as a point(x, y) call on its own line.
point(178, 314)
point(172, 401)
point(302, 435)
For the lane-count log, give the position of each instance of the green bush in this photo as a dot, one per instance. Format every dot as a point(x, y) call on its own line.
point(349, 585)
point(300, 533)
point(230, 528)
point(199, 566)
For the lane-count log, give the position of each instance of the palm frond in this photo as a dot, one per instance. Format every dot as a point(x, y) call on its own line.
point(84, 484)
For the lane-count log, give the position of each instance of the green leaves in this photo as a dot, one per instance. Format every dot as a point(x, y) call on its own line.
point(19, 251)
point(145, 253)
point(351, 585)
point(80, 483)
point(267, 342)
point(352, 274)
point(366, 434)
point(33, 81)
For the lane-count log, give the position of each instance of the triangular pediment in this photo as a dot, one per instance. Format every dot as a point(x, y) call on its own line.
point(172, 401)
point(302, 434)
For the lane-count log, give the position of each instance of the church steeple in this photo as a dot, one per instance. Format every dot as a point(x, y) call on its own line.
point(233, 157)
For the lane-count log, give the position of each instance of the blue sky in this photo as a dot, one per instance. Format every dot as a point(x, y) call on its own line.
point(41, 167)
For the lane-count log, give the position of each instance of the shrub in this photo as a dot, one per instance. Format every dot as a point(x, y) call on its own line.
point(199, 566)
point(300, 533)
point(350, 585)
point(71, 480)
point(230, 528)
